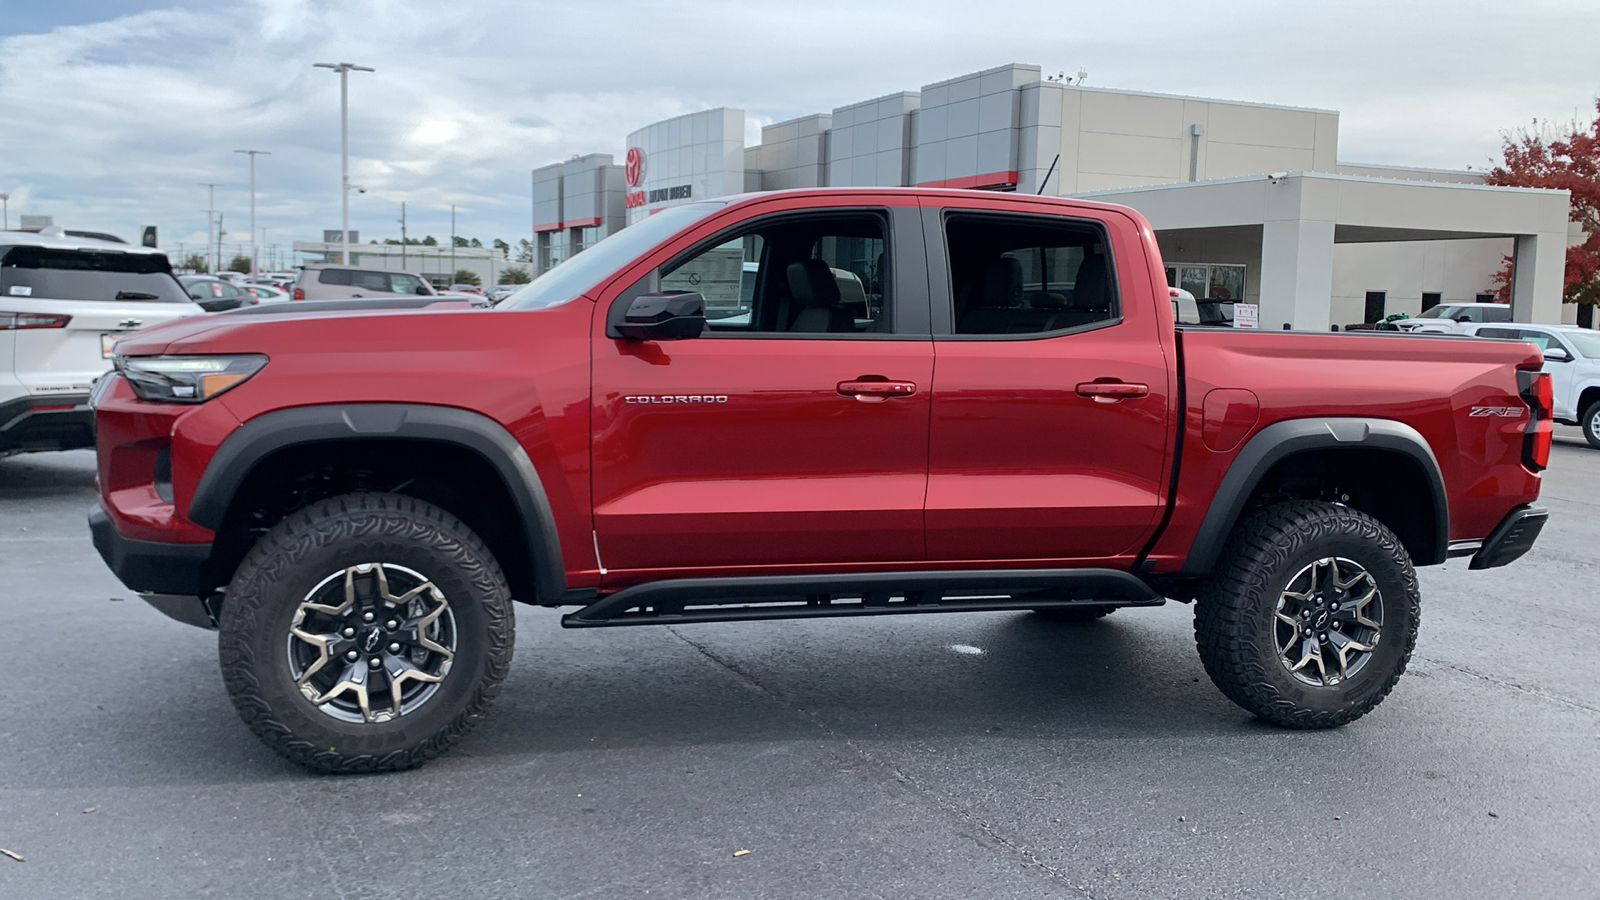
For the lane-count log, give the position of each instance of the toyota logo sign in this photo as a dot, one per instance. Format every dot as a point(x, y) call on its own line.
point(634, 170)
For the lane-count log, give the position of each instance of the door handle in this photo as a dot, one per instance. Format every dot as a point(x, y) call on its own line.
point(876, 390)
point(1110, 391)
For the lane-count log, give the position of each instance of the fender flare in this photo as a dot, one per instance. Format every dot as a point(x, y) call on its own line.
point(1283, 439)
point(270, 432)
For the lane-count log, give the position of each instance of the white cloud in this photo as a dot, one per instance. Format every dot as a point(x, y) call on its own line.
point(113, 124)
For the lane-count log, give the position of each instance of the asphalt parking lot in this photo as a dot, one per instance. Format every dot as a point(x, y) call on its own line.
point(965, 756)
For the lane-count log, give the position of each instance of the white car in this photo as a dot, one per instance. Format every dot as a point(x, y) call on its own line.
point(1571, 359)
point(64, 301)
point(1454, 318)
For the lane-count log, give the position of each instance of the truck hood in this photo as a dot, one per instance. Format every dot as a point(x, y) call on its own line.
point(198, 333)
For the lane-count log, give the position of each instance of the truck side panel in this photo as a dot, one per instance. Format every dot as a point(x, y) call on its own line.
point(1429, 384)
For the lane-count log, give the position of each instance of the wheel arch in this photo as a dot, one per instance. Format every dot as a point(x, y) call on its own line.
point(1397, 455)
point(269, 435)
point(1588, 394)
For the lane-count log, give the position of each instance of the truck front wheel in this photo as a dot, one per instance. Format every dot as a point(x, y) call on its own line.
point(1591, 424)
point(1311, 615)
point(365, 633)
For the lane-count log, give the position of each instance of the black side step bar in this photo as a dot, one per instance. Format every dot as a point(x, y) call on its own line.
point(686, 600)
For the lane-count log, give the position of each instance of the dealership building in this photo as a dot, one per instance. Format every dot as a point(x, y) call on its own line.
point(1248, 201)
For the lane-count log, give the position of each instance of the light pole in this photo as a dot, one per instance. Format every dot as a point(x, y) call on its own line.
point(344, 69)
point(211, 212)
point(253, 154)
point(5, 207)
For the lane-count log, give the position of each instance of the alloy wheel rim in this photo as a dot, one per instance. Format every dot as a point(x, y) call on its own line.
point(1594, 424)
point(371, 642)
point(1328, 621)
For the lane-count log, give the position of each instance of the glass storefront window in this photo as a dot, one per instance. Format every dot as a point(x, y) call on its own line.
point(1214, 281)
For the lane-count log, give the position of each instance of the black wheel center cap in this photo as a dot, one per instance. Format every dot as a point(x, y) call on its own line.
point(371, 640)
point(1322, 620)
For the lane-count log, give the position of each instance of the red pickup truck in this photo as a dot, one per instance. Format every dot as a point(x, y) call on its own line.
point(797, 404)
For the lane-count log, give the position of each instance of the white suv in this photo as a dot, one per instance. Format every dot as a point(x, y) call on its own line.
point(1571, 359)
point(63, 302)
point(1454, 318)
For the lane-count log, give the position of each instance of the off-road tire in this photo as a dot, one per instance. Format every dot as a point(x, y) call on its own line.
point(1591, 424)
point(352, 530)
point(1085, 613)
point(1235, 623)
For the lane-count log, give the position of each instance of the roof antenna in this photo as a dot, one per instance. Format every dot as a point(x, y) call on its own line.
point(1047, 174)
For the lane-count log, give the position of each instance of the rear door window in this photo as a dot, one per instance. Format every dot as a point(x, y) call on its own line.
point(50, 273)
point(1024, 275)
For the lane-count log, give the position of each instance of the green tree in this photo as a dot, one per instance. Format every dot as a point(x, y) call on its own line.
point(429, 241)
point(525, 251)
point(196, 262)
point(460, 241)
point(503, 247)
point(467, 276)
point(476, 243)
point(515, 275)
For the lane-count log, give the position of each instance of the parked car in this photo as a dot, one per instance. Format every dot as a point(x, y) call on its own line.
point(1449, 318)
point(266, 293)
point(358, 516)
point(214, 294)
point(64, 302)
point(328, 281)
point(466, 289)
point(1571, 359)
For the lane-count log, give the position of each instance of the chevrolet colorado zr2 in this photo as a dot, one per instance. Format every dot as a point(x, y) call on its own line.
point(797, 404)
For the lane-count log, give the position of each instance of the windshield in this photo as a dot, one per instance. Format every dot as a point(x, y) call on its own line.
point(587, 269)
point(1588, 345)
point(1438, 312)
point(63, 274)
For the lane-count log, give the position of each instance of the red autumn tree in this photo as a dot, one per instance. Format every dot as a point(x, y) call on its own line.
point(1540, 157)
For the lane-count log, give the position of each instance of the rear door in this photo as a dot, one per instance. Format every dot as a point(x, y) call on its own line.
point(67, 307)
point(1052, 392)
point(757, 445)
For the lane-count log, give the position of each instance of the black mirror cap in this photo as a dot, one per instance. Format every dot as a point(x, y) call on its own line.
point(670, 316)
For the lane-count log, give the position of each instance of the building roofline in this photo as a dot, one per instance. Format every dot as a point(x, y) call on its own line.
point(1196, 98)
point(1433, 169)
point(1323, 176)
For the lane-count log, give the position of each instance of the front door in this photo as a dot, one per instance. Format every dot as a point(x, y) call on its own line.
point(756, 444)
point(1051, 396)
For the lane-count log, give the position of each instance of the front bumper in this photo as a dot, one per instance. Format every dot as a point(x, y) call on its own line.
point(148, 566)
point(49, 422)
point(1510, 539)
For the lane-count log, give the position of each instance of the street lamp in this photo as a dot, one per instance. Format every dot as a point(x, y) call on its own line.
point(5, 206)
point(253, 154)
point(344, 69)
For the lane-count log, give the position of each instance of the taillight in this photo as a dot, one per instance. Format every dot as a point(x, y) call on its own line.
point(25, 321)
point(299, 294)
point(1540, 396)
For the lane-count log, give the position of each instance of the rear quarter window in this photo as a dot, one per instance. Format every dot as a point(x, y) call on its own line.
point(52, 273)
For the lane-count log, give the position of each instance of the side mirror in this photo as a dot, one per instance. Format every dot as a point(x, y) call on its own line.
point(1557, 354)
point(1463, 318)
point(663, 317)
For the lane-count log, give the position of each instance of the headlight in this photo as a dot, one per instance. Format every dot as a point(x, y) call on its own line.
point(186, 379)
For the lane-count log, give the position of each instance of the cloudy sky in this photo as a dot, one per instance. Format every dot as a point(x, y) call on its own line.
point(113, 113)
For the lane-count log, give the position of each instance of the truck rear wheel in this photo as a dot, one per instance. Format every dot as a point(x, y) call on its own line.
point(1311, 615)
point(365, 633)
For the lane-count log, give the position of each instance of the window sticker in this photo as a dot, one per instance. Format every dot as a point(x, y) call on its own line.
point(21, 290)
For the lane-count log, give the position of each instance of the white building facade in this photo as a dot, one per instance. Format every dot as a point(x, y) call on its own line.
point(1249, 201)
